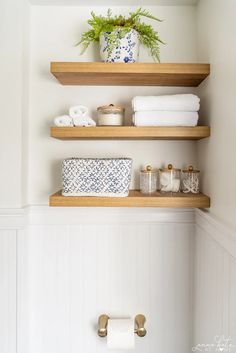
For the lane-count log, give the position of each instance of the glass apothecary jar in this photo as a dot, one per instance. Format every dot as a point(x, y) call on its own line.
point(170, 179)
point(111, 115)
point(148, 180)
point(191, 180)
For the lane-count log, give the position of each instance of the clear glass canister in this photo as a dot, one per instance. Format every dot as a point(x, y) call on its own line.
point(170, 179)
point(191, 180)
point(148, 180)
point(110, 115)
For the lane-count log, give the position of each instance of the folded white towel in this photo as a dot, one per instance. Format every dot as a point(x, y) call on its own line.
point(78, 111)
point(165, 118)
point(63, 120)
point(83, 121)
point(177, 102)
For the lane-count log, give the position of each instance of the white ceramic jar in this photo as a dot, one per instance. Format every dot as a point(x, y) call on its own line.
point(111, 115)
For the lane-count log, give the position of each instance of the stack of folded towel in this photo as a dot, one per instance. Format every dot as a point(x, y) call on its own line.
point(172, 110)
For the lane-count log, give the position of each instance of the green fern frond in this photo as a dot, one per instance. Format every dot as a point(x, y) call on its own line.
point(109, 13)
point(118, 26)
point(140, 12)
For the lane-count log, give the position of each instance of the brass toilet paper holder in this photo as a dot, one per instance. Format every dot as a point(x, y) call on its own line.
point(139, 325)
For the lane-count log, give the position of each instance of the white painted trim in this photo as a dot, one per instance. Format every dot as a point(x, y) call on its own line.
point(45, 215)
point(13, 218)
point(83, 215)
point(223, 235)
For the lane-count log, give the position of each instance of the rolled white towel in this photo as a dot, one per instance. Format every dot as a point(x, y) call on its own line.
point(63, 120)
point(78, 111)
point(165, 118)
point(83, 121)
point(176, 102)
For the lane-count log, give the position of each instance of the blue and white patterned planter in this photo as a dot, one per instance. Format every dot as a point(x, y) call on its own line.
point(127, 51)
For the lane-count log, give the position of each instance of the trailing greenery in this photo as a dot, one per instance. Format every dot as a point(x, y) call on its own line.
point(119, 26)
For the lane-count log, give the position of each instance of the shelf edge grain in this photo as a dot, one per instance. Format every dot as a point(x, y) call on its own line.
point(135, 74)
point(135, 199)
point(130, 133)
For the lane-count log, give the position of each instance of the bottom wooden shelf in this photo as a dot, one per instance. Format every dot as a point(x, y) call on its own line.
point(135, 199)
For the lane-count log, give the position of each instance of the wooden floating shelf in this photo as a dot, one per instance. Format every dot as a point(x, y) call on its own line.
point(130, 133)
point(135, 74)
point(135, 199)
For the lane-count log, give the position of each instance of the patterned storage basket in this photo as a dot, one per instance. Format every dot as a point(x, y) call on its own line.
point(96, 176)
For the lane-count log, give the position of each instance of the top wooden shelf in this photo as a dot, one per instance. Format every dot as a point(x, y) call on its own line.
point(135, 74)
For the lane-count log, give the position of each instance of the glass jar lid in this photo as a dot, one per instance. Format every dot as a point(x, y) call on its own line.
point(170, 168)
point(111, 108)
point(190, 170)
point(149, 169)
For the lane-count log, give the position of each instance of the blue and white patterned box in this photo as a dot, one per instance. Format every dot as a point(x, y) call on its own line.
point(96, 177)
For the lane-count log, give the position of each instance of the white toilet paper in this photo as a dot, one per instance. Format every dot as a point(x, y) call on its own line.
point(120, 334)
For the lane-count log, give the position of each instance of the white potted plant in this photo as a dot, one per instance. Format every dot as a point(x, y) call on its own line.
point(119, 37)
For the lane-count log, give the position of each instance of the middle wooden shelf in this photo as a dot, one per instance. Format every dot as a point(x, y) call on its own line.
point(131, 133)
point(135, 199)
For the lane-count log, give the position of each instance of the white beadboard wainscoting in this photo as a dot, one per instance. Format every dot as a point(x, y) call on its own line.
point(75, 264)
point(61, 268)
point(8, 290)
point(215, 284)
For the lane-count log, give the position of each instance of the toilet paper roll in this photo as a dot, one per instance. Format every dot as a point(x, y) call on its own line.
point(120, 334)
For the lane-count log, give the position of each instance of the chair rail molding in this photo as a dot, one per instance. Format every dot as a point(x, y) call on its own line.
point(13, 218)
point(45, 215)
point(222, 234)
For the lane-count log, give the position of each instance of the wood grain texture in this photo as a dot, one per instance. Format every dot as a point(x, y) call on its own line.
point(135, 199)
point(135, 74)
point(131, 133)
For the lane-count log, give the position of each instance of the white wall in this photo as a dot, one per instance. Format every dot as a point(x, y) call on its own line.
point(215, 246)
point(54, 31)
point(14, 45)
point(216, 31)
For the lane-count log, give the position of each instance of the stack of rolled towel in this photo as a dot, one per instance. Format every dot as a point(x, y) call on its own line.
point(171, 110)
point(78, 116)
